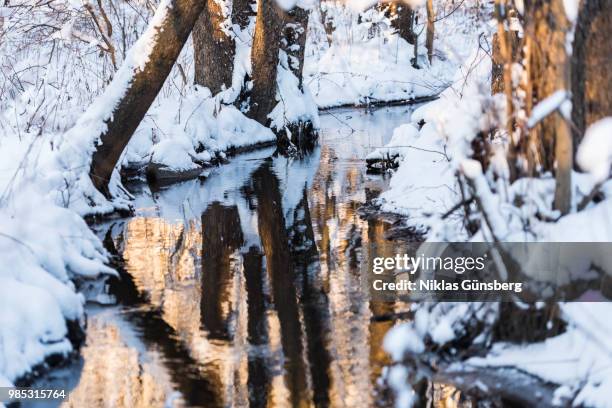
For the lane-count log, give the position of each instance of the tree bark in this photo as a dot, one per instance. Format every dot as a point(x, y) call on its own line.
point(429, 40)
point(294, 40)
point(213, 48)
point(241, 12)
point(591, 60)
point(264, 60)
point(143, 88)
point(403, 21)
point(498, 74)
point(549, 71)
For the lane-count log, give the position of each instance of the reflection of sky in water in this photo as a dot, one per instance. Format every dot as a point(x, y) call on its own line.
point(229, 306)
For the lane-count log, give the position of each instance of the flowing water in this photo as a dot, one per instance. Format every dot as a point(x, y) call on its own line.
point(247, 288)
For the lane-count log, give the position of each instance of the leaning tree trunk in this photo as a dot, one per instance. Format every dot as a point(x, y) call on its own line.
point(429, 39)
point(549, 71)
point(213, 48)
point(591, 73)
point(146, 82)
point(264, 60)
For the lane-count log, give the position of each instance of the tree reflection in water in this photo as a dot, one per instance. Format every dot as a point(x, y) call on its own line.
point(246, 290)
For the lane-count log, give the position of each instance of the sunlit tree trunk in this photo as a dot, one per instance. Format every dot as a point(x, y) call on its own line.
point(276, 30)
point(549, 71)
point(264, 59)
point(591, 73)
point(506, 52)
point(213, 47)
point(140, 93)
point(429, 40)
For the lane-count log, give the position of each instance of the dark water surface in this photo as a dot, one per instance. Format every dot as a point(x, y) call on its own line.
point(246, 289)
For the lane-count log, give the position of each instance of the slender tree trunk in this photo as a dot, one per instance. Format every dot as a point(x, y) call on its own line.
point(429, 40)
point(506, 51)
point(264, 60)
point(294, 40)
point(213, 48)
point(549, 70)
point(327, 23)
point(146, 82)
point(591, 61)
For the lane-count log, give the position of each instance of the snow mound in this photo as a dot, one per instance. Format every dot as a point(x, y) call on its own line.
point(595, 152)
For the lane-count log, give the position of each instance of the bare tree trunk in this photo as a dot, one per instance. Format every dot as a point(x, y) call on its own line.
point(591, 60)
point(264, 59)
point(213, 48)
point(327, 23)
point(276, 31)
point(145, 84)
point(429, 40)
point(294, 40)
point(506, 50)
point(549, 70)
point(241, 11)
point(511, 46)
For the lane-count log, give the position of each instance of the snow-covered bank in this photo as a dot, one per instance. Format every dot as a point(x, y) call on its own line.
point(376, 70)
point(367, 61)
point(47, 253)
point(425, 187)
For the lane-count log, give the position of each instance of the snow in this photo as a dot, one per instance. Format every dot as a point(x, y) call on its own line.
point(424, 184)
point(595, 151)
point(571, 9)
point(547, 106)
point(45, 248)
point(368, 62)
point(371, 71)
point(198, 127)
point(397, 377)
point(401, 339)
point(425, 187)
point(294, 105)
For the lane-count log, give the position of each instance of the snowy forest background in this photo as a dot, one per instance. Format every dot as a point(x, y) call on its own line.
point(514, 144)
